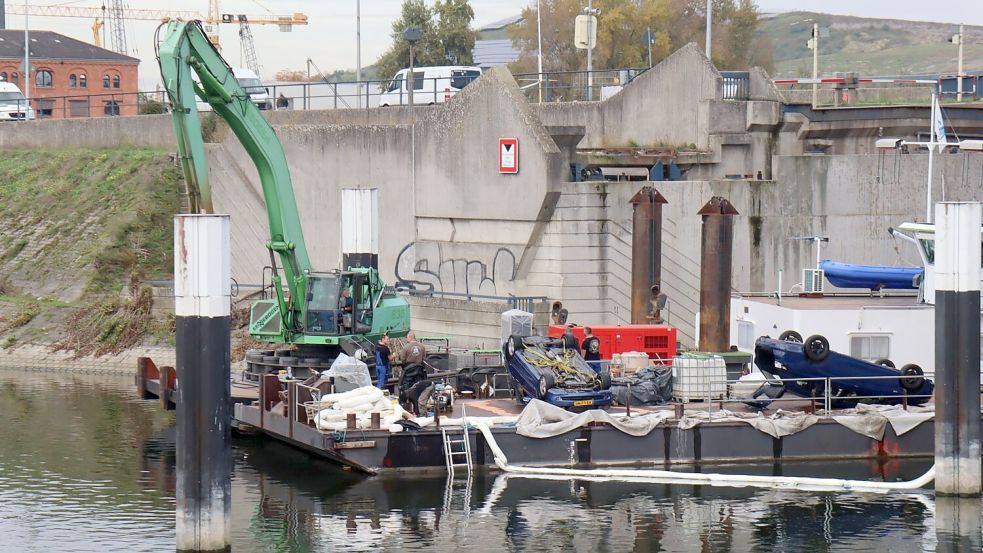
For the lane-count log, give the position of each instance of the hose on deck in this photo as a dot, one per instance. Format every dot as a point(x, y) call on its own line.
point(696, 479)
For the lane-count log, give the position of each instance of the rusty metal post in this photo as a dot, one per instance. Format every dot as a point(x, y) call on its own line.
point(376, 422)
point(715, 274)
point(957, 349)
point(350, 423)
point(646, 251)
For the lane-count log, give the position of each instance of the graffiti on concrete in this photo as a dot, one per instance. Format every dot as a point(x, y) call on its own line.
point(421, 266)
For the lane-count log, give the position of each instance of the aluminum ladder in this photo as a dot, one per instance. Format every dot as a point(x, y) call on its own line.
point(455, 448)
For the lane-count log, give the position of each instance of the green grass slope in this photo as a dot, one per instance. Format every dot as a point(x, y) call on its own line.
point(869, 46)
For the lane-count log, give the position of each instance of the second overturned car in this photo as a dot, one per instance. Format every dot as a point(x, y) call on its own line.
point(541, 368)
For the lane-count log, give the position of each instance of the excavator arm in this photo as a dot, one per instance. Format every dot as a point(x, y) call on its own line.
point(183, 53)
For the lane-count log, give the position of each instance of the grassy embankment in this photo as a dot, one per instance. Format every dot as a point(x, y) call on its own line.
point(79, 231)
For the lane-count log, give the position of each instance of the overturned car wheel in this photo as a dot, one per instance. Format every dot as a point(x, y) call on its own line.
point(912, 378)
point(545, 383)
point(816, 348)
point(790, 336)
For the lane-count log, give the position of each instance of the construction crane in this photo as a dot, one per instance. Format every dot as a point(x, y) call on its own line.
point(212, 20)
point(117, 31)
point(96, 30)
point(247, 45)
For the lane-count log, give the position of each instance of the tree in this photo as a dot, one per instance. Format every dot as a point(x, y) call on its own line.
point(447, 36)
point(621, 30)
point(454, 33)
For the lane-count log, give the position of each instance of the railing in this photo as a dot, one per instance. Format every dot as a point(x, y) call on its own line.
point(105, 104)
point(736, 85)
point(573, 86)
point(525, 303)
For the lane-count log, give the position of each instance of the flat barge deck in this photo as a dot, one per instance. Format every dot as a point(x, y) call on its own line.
point(280, 414)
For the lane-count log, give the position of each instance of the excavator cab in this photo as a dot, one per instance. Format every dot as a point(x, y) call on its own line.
point(326, 304)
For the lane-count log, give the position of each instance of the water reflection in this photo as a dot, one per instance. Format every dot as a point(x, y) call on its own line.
point(86, 467)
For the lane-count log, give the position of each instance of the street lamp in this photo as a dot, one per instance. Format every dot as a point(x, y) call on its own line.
point(813, 45)
point(412, 35)
point(958, 39)
point(591, 14)
point(358, 50)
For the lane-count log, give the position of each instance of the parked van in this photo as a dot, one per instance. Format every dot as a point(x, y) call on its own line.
point(13, 105)
point(431, 85)
point(249, 81)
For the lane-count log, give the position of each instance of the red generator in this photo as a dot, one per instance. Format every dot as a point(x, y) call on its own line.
point(658, 341)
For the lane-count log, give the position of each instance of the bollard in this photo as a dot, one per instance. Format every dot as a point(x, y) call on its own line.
point(350, 421)
point(202, 338)
point(957, 348)
point(375, 423)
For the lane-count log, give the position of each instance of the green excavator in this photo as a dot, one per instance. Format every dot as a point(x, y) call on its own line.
point(311, 311)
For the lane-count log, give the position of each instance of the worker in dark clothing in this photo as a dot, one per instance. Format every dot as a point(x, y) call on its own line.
point(282, 102)
point(591, 349)
point(413, 352)
point(383, 356)
point(569, 340)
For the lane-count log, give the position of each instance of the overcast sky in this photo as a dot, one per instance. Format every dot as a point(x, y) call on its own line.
point(329, 40)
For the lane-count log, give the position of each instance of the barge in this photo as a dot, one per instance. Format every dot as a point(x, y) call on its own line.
point(276, 409)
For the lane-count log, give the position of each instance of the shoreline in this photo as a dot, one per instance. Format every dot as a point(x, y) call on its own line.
point(40, 358)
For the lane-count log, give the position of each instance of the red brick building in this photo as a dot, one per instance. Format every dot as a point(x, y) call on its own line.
point(70, 78)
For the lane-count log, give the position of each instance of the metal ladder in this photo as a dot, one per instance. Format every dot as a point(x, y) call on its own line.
point(451, 450)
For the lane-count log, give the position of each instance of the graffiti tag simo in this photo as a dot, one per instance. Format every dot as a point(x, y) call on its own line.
point(421, 266)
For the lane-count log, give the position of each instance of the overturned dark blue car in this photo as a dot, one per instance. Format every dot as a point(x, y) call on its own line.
point(541, 368)
point(807, 367)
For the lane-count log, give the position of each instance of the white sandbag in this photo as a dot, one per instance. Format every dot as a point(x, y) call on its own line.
point(360, 395)
point(396, 428)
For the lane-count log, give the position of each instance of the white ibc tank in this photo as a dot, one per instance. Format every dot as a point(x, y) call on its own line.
point(698, 377)
point(516, 322)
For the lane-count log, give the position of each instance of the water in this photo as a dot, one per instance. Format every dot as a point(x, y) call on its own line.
point(84, 466)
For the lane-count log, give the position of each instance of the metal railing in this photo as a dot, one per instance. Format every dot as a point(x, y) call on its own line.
point(102, 104)
point(515, 302)
point(736, 85)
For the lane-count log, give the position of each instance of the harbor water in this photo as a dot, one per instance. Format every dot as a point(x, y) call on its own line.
point(85, 466)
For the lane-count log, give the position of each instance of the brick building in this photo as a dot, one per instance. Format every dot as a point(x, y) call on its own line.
point(70, 78)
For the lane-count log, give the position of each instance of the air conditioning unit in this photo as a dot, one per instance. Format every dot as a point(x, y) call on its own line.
point(812, 281)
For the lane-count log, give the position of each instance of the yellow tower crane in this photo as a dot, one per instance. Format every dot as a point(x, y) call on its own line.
point(212, 20)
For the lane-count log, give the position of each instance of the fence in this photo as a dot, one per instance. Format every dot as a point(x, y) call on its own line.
point(106, 104)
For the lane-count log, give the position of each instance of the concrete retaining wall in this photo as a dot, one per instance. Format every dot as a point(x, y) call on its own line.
point(468, 324)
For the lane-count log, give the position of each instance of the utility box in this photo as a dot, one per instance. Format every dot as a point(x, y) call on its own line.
point(697, 377)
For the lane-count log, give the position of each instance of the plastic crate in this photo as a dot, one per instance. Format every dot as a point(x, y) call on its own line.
point(698, 377)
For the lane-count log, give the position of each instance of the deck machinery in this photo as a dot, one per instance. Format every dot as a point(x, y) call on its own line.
point(305, 313)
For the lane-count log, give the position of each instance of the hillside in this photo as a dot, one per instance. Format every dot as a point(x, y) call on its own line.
point(869, 46)
point(78, 229)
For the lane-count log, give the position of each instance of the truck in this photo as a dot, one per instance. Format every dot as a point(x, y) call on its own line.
point(13, 105)
point(305, 312)
point(249, 81)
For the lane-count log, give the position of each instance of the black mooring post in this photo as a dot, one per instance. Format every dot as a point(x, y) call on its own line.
point(204, 439)
point(957, 349)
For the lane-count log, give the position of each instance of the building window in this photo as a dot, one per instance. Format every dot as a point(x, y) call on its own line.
point(43, 79)
point(73, 81)
point(46, 108)
point(78, 108)
point(115, 81)
point(870, 347)
point(105, 81)
point(745, 335)
point(15, 78)
point(82, 81)
point(111, 108)
point(3, 75)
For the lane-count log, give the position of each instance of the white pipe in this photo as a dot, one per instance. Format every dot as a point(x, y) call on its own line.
point(696, 479)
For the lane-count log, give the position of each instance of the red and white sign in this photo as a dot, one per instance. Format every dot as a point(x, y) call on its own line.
point(508, 155)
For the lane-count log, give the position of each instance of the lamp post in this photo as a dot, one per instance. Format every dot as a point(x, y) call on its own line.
point(411, 35)
point(591, 13)
point(958, 39)
point(307, 86)
point(358, 50)
point(709, 26)
point(539, 40)
point(815, 64)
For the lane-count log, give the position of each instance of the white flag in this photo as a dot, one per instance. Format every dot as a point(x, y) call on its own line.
point(939, 126)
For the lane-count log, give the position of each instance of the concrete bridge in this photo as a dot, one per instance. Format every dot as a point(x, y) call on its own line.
point(451, 222)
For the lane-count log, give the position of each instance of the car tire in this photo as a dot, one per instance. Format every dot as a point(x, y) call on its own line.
point(513, 345)
point(545, 383)
point(605, 380)
point(790, 336)
point(912, 377)
point(885, 363)
point(816, 348)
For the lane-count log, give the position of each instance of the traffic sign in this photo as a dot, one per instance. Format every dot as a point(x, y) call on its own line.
point(508, 155)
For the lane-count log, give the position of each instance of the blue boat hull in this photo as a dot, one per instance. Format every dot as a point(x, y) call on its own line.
point(874, 277)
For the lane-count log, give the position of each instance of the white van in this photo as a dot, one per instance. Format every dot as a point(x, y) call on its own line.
point(431, 85)
point(249, 81)
point(13, 105)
